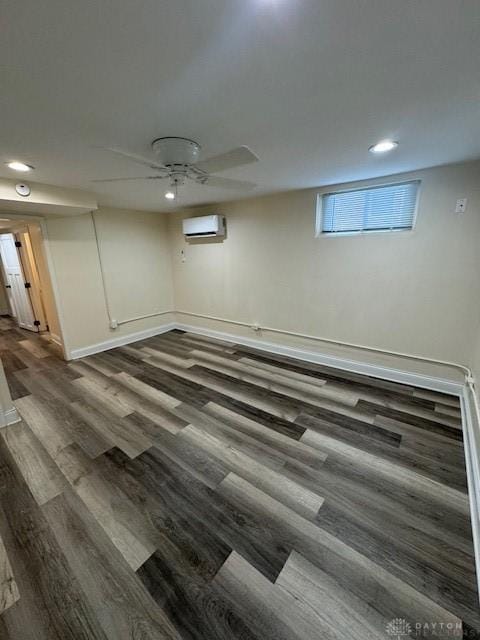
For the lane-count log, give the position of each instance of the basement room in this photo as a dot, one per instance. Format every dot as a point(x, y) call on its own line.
point(240, 320)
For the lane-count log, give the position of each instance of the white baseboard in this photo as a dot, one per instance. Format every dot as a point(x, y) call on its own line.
point(375, 371)
point(56, 339)
point(120, 341)
point(9, 417)
point(471, 446)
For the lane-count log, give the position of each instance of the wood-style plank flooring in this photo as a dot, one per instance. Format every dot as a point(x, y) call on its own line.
point(185, 488)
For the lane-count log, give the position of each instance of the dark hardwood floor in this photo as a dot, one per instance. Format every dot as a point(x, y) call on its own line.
point(186, 488)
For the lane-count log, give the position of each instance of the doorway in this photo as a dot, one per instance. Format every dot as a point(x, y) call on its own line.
point(27, 290)
point(16, 284)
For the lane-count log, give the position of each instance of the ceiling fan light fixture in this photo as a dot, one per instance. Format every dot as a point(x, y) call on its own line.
point(383, 146)
point(173, 151)
point(178, 162)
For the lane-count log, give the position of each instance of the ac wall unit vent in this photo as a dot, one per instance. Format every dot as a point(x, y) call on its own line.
point(204, 227)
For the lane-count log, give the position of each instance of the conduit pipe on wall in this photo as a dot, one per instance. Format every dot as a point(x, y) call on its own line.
point(466, 371)
point(104, 286)
point(148, 315)
point(102, 272)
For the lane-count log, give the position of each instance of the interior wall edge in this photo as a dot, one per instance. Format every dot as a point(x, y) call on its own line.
point(63, 341)
point(471, 431)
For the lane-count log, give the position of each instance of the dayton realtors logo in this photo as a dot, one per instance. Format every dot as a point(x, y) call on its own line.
point(399, 628)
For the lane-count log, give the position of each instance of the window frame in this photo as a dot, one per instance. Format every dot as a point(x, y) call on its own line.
point(319, 233)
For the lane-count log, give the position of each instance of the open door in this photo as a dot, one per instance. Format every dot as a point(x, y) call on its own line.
point(16, 284)
point(31, 275)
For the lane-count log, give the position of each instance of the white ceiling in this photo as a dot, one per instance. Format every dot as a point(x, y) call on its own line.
point(306, 84)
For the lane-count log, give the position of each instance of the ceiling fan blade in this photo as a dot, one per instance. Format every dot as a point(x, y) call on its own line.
point(133, 156)
point(226, 183)
point(234, 158)
point(124, 179)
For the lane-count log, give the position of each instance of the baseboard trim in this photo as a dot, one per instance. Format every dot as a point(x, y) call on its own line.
point(119, 341)
point(471, 446)
point(401, 376)
point(11, 416)
point(56, 339)
point(375, 371)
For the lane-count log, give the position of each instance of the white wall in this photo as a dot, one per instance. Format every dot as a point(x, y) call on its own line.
point(476, 362)
point(413, 292)
point(137, 266)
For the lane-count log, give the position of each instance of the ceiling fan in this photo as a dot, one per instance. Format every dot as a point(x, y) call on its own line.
point(178, 161)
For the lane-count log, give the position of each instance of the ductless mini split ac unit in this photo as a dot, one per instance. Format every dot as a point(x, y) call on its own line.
point(204, 227)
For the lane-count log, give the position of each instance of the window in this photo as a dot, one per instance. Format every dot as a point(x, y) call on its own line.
point(384, 208)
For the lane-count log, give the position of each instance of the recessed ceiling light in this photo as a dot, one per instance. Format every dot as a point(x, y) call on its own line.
point(383, 146)
point(170, 195)
point(19, 166)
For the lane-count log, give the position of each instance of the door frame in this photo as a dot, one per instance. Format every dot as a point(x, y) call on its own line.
point(19, 294)
point(41, 221)
point(7, 288)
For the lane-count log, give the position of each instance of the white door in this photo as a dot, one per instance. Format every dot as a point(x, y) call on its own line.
point(15, 283)
point(30, 272)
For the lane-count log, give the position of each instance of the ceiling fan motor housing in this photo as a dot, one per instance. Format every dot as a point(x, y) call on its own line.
point(176, 151)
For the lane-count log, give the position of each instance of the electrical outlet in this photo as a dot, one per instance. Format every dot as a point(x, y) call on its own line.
point(183, 256)
point(113, 324)
point(461, 205)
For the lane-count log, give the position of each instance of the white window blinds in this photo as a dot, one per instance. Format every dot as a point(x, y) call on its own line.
point(384, 208)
